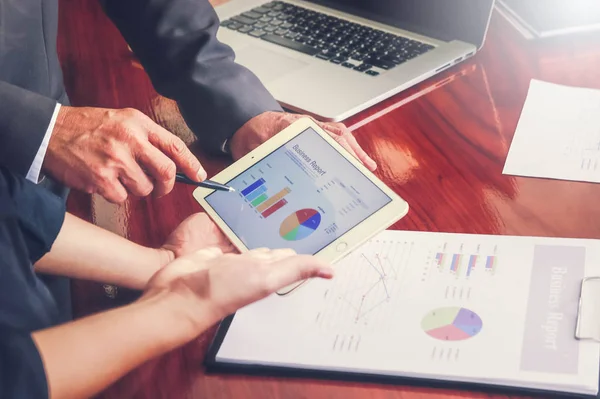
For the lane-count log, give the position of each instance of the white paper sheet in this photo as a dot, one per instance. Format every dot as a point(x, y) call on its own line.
point(558, 134)
point(488, 309)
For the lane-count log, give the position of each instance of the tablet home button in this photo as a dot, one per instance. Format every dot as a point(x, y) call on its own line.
point(341, 247)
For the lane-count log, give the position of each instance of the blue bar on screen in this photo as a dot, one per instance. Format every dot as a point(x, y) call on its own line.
point(253, 186)
point(256, 193)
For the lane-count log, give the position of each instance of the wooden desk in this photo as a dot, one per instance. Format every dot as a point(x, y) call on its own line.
point(440, 145)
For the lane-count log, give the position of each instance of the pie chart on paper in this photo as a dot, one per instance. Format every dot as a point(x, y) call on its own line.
point(452, 324)
point(300, 224)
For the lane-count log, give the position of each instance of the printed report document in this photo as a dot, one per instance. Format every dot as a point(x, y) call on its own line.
point(558, 134)
point(477, 309)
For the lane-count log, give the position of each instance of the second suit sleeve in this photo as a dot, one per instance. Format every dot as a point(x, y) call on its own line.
point(30, 220)
point(24, 120)
point(176, 43)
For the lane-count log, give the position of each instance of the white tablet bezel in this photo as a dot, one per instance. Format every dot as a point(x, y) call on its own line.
point(340, 247)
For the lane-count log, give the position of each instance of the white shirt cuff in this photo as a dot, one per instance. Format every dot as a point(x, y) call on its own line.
point(33, 174)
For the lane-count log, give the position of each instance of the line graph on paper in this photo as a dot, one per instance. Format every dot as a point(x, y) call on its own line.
point(366, 284)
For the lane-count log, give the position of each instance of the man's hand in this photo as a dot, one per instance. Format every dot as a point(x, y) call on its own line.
point(264, 126)
point(195, 233)
point(116, 152)
point(209, 285)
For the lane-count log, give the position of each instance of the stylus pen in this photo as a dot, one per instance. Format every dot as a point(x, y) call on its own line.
point(181, 178)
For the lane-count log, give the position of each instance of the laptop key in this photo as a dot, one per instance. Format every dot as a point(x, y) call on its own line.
point(252, 15)
point(291, 44)
point(380, 63)
point(258, 33)
point(234, 25)
point(261, 10)
point(338, 60)
point(244, 20)
point(358, 56)
point(363, 67)
point(372, 73)
point(245, 29)
point(347, 65)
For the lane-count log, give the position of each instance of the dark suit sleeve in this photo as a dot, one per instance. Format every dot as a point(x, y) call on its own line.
point(176, 43)
point(24, 120)
point(30, 220)
point(39, 212)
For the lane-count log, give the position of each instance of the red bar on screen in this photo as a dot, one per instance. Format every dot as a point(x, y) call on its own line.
point(276, 206)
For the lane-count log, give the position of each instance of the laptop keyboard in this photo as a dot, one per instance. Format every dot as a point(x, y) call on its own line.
point(350, 45)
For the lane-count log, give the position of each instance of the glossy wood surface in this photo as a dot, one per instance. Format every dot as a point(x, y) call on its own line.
point(441, 145)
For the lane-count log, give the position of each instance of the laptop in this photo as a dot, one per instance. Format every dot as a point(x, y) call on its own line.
point(334, 58)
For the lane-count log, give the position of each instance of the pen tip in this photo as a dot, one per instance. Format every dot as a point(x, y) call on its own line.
point(231, 189)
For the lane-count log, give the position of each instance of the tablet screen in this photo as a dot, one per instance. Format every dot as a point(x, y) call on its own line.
point(304, 195)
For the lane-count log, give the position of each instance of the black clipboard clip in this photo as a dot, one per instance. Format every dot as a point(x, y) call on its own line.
point(587, 326)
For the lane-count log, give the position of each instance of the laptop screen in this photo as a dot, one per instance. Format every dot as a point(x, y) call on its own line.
point(464, 20)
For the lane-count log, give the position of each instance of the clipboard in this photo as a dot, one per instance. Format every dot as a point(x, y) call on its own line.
point(214, 367)
point(587, 326)
point(577, 294)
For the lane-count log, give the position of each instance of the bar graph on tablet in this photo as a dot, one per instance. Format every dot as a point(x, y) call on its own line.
point(259, 197)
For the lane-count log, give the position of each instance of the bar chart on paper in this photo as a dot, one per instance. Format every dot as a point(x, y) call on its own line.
point(585, 151)
point(463, 262)
point(262, 200)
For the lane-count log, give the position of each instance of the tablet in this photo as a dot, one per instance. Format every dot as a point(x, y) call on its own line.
point(301, 190)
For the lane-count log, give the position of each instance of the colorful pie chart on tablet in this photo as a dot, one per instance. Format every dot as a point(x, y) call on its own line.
point(300, 224)
point(452, 324)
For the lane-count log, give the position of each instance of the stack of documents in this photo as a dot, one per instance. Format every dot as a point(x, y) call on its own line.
point(491, 310)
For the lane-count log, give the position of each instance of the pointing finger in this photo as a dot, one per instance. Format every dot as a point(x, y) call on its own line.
point(297, 268)
point(177, 151)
